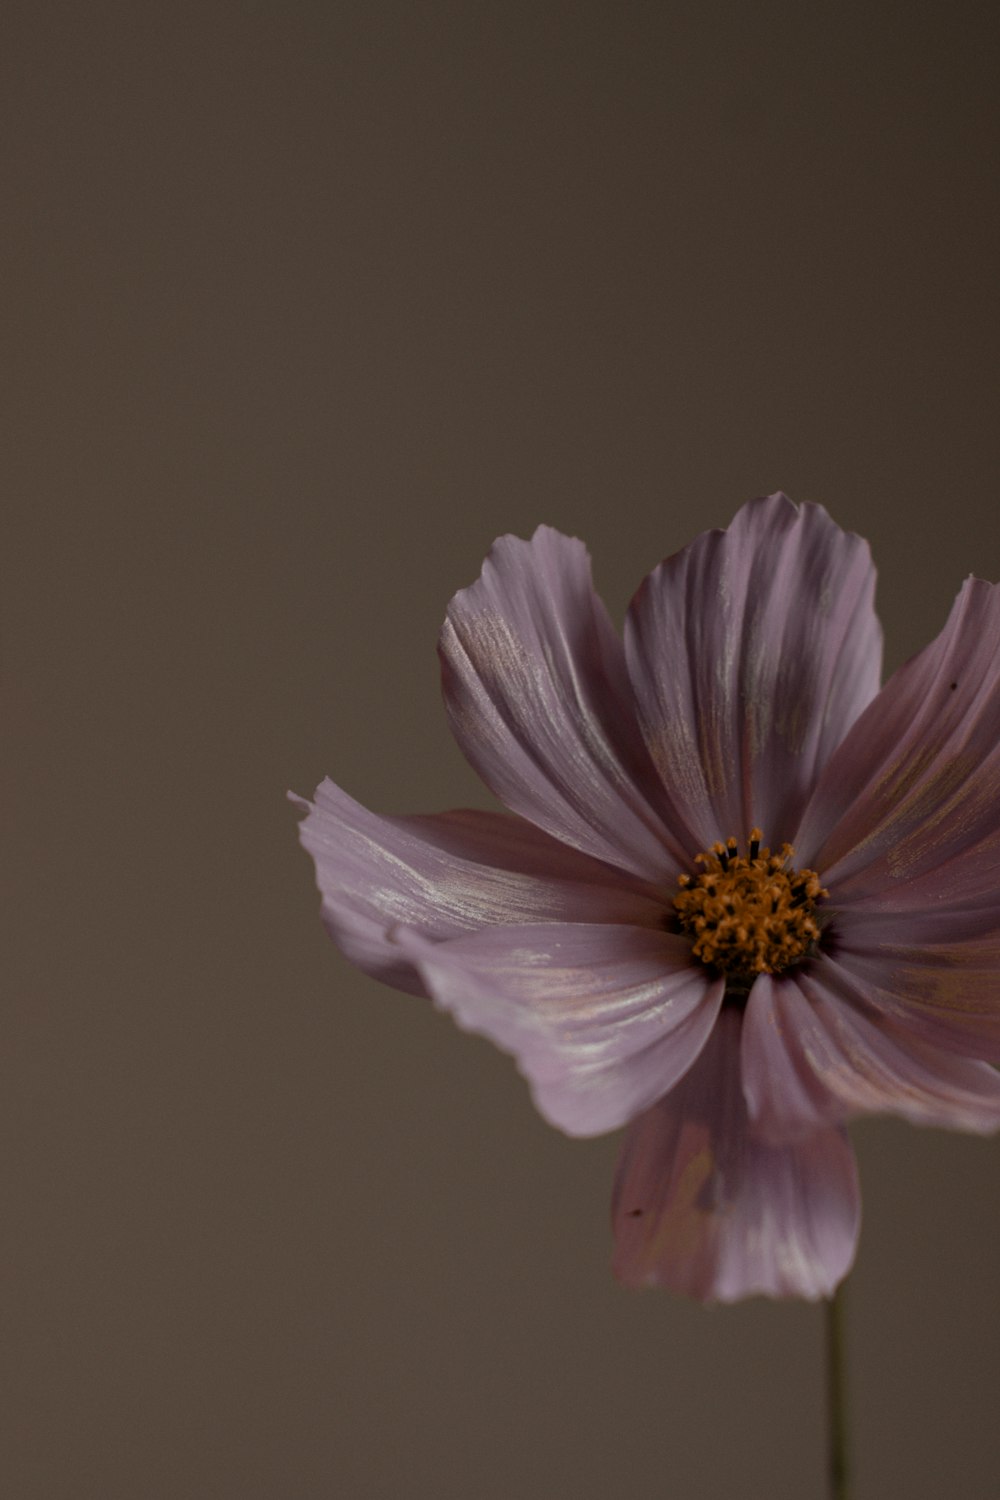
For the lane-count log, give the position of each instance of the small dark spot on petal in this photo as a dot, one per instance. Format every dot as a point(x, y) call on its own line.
point(635, 1213)
point(953, 686)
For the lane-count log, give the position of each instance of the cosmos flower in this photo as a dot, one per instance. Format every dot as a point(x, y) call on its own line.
point(740, 896)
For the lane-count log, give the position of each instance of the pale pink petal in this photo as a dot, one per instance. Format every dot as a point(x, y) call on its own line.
point(817, 1052)
point(450, 873)
point(705, 1209)
point(904, 829)
point(907, 811)
point(752, 652)
point(602, 1019)
point(538, 699)
point(945, 994)
point(910, 915)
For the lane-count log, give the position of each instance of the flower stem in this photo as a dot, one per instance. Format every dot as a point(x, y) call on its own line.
point(836, 1397)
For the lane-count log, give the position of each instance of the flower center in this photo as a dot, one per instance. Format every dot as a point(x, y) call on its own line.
point(749, 915)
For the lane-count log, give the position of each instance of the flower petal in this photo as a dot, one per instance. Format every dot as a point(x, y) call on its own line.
point(816, 1052)
point(752, 652)
point(912, 796)
point(904, 829)
point(602, 1019)
point(538, 699)
point(705, 1209)
point(945, 994)
point(450, 873)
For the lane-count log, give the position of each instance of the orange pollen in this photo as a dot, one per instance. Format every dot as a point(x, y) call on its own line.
point(749, 914)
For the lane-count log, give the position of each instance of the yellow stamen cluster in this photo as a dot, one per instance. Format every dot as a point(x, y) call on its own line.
point(749, 915)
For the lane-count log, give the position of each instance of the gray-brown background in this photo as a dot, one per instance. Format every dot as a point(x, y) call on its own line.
point(302, 305)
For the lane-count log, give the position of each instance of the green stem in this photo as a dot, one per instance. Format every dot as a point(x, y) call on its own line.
point(836, 1397)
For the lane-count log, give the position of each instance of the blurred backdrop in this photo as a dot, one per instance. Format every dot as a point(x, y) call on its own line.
point(304, 303)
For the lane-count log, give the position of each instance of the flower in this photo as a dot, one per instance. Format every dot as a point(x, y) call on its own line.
point(740, 896)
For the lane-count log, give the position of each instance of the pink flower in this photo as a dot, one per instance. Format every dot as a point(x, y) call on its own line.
point(626, 930)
